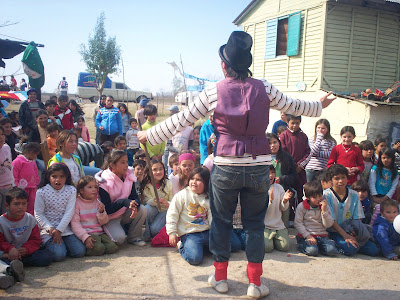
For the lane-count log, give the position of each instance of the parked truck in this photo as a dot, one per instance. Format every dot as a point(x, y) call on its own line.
point(185, 98)
point(87, 84)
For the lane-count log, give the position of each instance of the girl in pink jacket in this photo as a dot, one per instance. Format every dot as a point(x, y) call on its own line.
point(26, 173)
point(89, 217)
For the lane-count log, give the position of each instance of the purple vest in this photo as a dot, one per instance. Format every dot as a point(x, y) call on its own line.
point(241, 118)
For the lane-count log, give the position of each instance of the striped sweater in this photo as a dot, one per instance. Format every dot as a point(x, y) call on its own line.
point(206, 103)
point(320, 151)
point(87, 219)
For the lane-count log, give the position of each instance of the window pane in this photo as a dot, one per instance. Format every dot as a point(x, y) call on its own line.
point(281, 44)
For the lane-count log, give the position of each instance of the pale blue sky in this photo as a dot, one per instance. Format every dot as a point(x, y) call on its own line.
point(150, 33)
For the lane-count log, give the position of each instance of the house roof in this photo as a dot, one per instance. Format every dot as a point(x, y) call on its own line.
point(253, 3)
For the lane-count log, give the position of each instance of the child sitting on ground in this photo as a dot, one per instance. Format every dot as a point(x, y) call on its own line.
point(26, 173)
point(383, 230)
point(120, 144)
point(345, 205)
point(276, 234)
point(189, 218)
point(361, 187)
point(19, 233)
point(6, 174)
point(313, 217)
point(173, 163)
point(155, 219)
point(53, 131)
point(89, 217)
point(54, 209)
point(138, 169)
point(10, 273)
point(85, 131)
point(186, 166)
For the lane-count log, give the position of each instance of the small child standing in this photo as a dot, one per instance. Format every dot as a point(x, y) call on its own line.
point(295, 141)
point(89, 217)
point(276, 234)
point(64, 113)
point(26, 173)
point(19, 233)
point(53, 131)
point(150, 112)
point(85, 131)
point(155, 219)
point(321, 146)
point(384, 177)
point(313, 217)
point(120, 144)
point(383, 230)
point(367, 152)
point(189, 218)
point(379, 144)
point(78, 132)
point(347, 155)
point(54, 209)
point(6, 174)
point(131, 137)
point(361, 187)
point(125, 117)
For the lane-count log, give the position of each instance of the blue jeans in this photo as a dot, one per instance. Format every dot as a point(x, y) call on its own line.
point(192, 247)
point(324, 246)
point(312, 174)
point(252, 182)
point(71, 246)
point(39, 258)
point(238, 240)
point(369, 248)
point(155, 221)
point(90, 170)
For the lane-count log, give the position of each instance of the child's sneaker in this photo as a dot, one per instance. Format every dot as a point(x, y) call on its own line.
point(139, 242)
point(178, 245)
point(220, 286)
point(6, 281)
point(17, 270)
point(256, 292)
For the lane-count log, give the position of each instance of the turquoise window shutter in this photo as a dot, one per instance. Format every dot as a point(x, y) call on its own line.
point(270, 43)
point(293, 40)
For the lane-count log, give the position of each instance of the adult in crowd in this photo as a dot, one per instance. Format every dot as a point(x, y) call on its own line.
point(242, 154)
point(27, 111)
point(63, 87)
point(139, 115)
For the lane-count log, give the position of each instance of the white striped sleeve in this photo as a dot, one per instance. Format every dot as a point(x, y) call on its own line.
point(292, 106)
point(204, 104)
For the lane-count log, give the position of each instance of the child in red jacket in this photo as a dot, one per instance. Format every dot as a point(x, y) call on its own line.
point(64, 113)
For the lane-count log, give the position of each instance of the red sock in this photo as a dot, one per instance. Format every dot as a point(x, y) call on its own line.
point(221, 270)
point(254, 272)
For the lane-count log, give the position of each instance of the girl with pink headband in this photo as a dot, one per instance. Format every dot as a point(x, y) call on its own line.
point(186, 166)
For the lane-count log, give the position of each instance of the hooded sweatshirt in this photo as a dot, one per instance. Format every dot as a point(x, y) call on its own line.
point(386, 236)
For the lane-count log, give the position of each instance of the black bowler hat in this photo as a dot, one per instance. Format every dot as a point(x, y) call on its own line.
point(236, 53)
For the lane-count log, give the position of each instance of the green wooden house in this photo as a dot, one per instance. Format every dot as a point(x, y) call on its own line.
point(345, 46)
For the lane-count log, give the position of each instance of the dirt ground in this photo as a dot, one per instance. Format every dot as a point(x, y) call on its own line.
point(160, 273)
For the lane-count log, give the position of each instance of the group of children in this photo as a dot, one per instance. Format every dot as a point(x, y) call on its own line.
point(68, 214)
point(342, 191)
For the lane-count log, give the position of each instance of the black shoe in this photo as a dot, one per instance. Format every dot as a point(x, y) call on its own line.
point(6, 281)
point(17, 270)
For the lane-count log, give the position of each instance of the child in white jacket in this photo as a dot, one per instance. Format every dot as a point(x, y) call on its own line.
point(276, 234)
point(189, 217)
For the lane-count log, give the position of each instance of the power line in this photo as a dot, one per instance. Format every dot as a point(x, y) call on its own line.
point(13, 37)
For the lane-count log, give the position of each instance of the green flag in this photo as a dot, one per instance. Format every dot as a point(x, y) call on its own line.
point(33, 66)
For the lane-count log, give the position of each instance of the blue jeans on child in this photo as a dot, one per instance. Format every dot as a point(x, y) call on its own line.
point(71, 246)
point(324, 246)
point(238, 240)
point(369, 248)
point(155, 221)
point(39, 258)
point(192, 246)
point(252, 182)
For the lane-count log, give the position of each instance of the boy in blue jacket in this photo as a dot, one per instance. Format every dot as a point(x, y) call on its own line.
point(383, 230)
point(109, 121)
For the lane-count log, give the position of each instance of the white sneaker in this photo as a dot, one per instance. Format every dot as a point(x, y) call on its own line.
point(256, 292)
point(220, 286)
point(139, 242)
point(178, 245)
